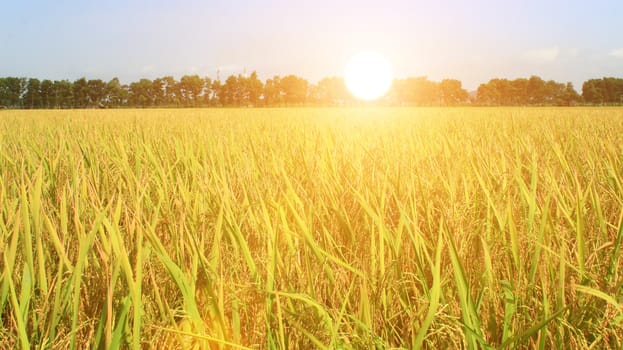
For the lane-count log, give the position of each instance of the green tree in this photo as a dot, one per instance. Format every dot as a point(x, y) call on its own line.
point(553, 92)
point(116, 94)
point(32, 97)
point(96, 92)
point(47, 94)
point(171, 92)
point(569, 96)
point(158, 87)
point(63, 94)
point(591, 93)
point(191, 89)
point(80, 91)
point(605, 90)
point(141, 93)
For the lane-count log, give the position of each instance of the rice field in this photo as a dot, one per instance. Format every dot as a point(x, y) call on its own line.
point(312, 228)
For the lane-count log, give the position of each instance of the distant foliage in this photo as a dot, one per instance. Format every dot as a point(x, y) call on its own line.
point(603, 91)
point(291, 90)
point(521, 92)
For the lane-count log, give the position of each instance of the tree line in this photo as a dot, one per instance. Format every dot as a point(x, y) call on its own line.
point(248, 90)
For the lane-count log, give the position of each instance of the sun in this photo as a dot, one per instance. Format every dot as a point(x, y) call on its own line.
point(368, 75)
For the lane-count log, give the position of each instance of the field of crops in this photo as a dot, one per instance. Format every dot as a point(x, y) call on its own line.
point(312, 228)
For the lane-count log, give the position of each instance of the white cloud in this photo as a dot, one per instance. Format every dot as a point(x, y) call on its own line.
point(545, 55)
point(617, 53)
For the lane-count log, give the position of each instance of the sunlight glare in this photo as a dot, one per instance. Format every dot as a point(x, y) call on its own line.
point(368, 75)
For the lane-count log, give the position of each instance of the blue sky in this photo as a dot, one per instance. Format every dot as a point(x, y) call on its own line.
point(469, 40)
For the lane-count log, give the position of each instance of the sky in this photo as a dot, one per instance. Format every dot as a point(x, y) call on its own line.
point(472, 41)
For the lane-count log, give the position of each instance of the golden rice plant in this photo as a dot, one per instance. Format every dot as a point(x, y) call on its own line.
point(312, 228)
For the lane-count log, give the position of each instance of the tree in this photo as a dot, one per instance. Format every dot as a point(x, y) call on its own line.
point(230, 94)
point(11, 91)
point(519, 92)
point(331, 91)
point(63, 94)
point(532, 91)
point(272, 92)
point(242, 90)
point(47, 94)
point(416, 91)
point(604, 90)
point(158, 88)
point(591, 93)
point(217, 91)
point(569, 96)
point(141, 93)
point(32, 97)
point(487, 95)
point(191, 89)
point(294, 89)
point(452, 92)
point(253, 89)
point(553, 92)
point(535, 90)
point(81, 93)
point(170, 87)
point(116, 94)
point(96, 92)
point(504, 91)
point(237, 91)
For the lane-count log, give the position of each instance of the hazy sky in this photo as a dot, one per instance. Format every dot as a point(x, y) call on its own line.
point(469, 40)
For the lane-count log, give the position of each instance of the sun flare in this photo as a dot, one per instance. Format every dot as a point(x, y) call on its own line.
point(368, 75)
